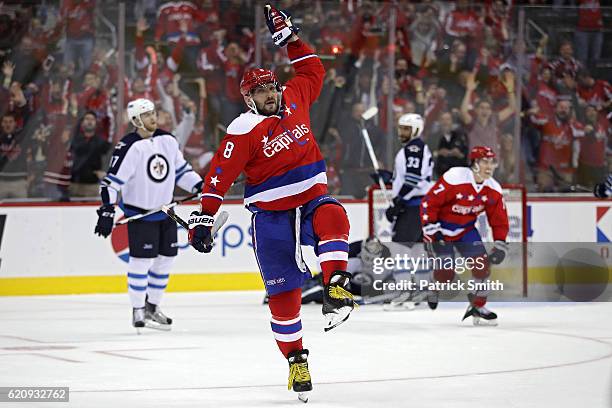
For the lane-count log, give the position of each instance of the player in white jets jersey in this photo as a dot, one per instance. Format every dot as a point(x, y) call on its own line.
point(411, 180)
point(145, 167)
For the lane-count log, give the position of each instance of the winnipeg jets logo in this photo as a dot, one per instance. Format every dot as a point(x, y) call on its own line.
point(157, 168)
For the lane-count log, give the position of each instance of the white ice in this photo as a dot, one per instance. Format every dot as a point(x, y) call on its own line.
point(221, 353)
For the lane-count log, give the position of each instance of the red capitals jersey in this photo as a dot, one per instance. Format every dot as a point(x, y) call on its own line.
point(558, 139)
point(279, 155)
point(599, 94)
point(169, 16)
point(456, 200)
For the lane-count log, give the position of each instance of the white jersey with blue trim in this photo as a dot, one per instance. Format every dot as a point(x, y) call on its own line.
point(145, 171)
point(413, 170)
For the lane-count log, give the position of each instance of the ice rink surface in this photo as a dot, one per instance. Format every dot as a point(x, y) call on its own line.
point(221, 353)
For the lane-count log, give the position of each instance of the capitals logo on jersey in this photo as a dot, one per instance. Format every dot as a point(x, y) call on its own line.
point(285, 139)
point(282, 162)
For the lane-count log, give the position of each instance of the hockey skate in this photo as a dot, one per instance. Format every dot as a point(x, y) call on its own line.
point(432, 299)
point(138, 318)
point(338, 303)
point(481, 316)
point(299, 376)
point(155, 319)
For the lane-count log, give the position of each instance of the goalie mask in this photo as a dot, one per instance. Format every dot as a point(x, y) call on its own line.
point(259, 78)
point(136, 108)
point(371, 249)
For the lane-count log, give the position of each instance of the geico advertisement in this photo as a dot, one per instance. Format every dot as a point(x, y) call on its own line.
point(60, 241)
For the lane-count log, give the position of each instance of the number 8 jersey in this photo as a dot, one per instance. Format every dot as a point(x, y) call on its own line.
point(279, 154)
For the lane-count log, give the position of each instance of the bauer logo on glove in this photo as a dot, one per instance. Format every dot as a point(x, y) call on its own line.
point(200, 231)
point(280, 26)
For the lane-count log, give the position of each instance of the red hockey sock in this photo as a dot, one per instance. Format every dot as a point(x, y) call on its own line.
point(479, 301)
point(331, 225)
point(286, 322)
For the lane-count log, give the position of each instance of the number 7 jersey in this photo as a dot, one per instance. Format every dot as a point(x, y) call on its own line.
point(279, 155)
point(456, 200)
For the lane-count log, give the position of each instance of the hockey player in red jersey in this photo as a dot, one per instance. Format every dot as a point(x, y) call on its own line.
point(286, 190)
point(449, 211)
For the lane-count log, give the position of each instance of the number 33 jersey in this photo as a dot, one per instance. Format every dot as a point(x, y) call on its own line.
point(279, 155)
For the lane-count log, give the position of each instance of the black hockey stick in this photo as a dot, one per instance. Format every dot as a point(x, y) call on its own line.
point(158, 209)
point(572, 187)
point(219, 221)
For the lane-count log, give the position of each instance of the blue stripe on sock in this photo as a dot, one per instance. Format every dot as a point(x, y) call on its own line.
point(334, 246)
point(158, 276)
point(136, 276)
point(137, 288)
point(154, 286)
point(286, 329)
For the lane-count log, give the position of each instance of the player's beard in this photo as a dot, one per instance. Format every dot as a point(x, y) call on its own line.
point(269, 107)
point(150, 127)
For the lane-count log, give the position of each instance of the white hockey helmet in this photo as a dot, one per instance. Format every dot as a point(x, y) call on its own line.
point(413, 120)
point(136, 108)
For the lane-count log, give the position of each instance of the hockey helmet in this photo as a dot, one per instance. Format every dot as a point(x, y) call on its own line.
point(255, 78)
point(413, 120)
point(481, 152)
point(136, 108)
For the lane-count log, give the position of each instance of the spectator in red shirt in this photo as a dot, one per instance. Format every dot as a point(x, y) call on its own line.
point(560, 145)
point(78, 16)
point(593, 91)
point(589, 35)
point(592, 162)
point(566, 64)
point(234, 60)
point(95, 98)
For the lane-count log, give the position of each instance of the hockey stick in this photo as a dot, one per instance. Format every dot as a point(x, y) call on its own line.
point(365, 116)
point(219, 222)
point(572, 187)
point(158, 209)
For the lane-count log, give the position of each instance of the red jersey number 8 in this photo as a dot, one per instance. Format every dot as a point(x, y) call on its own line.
point(229, 147)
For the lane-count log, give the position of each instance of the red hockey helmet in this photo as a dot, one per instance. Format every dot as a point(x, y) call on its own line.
point(254, 78)
point(481, 152)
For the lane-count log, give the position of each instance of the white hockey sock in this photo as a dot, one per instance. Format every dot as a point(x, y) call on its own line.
point(158, 278)
point(137, 280)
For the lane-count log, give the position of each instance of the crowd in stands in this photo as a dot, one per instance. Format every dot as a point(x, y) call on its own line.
point(462, 65)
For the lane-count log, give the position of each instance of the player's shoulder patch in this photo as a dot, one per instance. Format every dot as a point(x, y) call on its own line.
point(415, 146)
point(457, 175)
point(162, 132)
point(244, 123)
point(126, 142)
point(493, 184)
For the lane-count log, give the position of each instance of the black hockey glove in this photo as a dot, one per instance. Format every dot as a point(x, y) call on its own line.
point(279, 24)
point(391, 213)
point(200, 235)
point(106, 219)
point(395, 209)
point(498, 254)
point(433, 239)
